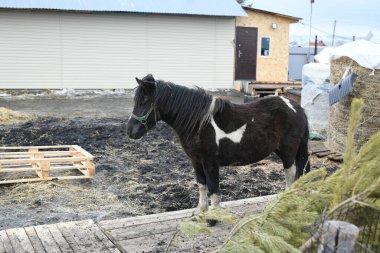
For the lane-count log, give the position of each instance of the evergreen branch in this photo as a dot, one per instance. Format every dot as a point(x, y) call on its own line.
point(234, 231)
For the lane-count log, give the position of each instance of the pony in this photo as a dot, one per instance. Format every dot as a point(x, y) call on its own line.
point(215, 132)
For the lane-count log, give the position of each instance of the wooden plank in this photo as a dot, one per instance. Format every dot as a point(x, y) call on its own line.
point(26, 180)
point(159, 242)
point(5, 242)
point(69, 235)
point(144, 230)
point(29, 180)
point(323, 154)
point(146, 219)
point(37, 160)
point(46, 153)
point(69, 177)
point(82, 151)
point(99, 235)
point(273, 86)
point(43, 167)
point(320, 151)
point(79, 236)
point(336, 157)
point(47, 239)
point(23, 169)
point(255, 204)
point(83, 236)
point(36, 147)
point(33, 237)
point(2, 248)
point(168, 225)
point(89, 164)
point(203, 242)
point(59, 239)
point(19, 240)
point(147, 244)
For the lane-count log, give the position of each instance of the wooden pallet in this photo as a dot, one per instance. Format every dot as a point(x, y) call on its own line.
point(257, 88)
point(318, 149)
point(45, 163)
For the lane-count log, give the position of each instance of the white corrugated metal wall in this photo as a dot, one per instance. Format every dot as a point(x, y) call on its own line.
point(86, 51)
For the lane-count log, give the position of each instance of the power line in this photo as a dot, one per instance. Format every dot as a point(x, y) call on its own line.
point(328, 33)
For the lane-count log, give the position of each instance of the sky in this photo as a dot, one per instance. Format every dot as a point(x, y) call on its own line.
point(353, 18)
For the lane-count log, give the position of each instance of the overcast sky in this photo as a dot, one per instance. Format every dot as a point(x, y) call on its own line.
point(353, 18)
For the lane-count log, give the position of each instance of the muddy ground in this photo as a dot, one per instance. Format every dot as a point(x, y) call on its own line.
point(133, 177)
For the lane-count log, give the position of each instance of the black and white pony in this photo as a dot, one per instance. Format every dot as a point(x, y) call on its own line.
point(215, 132)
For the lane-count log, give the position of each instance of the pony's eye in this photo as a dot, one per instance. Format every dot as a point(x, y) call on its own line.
point(145, 101)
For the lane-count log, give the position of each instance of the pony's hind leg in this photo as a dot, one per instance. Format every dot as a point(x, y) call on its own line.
point(201, 180)
point(288, 159)
point(290, 175)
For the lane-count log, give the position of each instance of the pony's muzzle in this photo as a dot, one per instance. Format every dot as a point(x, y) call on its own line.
point(135, 131)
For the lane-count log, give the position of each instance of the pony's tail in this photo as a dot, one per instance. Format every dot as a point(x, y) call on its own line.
point(302, 157)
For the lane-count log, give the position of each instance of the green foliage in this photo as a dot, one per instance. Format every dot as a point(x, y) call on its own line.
point(218, 214)
point(288, 220)
point(199, 224)
point(193, 228)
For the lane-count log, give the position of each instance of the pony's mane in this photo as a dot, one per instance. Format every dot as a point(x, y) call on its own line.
point(191, 108)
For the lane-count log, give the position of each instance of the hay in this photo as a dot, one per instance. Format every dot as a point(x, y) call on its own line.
point(367, 87)
point(8, 116)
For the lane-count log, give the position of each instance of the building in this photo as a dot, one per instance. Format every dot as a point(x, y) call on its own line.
point(262, 47)
point(92, 44)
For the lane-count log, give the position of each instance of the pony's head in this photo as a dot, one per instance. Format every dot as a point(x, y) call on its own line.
point(144, 115)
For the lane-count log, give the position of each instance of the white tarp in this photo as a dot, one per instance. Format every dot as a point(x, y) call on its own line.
point(314, 95)
point(365, 53)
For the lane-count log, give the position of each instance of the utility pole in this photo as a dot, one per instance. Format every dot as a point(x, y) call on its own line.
point(316, 45)
point(334, 33)
point(311, 16)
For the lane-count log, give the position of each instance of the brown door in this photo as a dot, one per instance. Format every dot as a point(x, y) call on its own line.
point(246, 53)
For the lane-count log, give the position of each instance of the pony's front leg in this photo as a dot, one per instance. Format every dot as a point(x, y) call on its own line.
point(201, 180)
point(211, 170)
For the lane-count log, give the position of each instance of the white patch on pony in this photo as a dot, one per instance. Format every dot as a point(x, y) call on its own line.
point(287, 102)
point(203, 199)
point(252, 119)
point(234, 136)
point(290, 175)
point(215, 201)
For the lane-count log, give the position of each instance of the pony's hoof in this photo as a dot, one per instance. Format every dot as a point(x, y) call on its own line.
point(211, 222)
point(199, 210)
point(215, 207)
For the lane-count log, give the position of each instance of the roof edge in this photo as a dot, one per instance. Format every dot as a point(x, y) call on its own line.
point(295, 19)
point(120, 11)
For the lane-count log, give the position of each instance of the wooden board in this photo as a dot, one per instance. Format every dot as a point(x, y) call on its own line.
point(40, 163)
point(81, 236)
point(319, 149)
point(152, 233)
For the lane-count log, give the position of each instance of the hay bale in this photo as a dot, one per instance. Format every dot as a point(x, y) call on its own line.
point(8, 116)
point(367, 87)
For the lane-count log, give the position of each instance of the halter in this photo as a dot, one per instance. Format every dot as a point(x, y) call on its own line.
point(143, 119)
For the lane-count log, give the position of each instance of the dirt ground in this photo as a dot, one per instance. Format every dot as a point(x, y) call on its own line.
point(133, 177)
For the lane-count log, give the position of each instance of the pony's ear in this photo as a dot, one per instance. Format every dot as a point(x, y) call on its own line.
point(147, 82)
point(138, 81)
